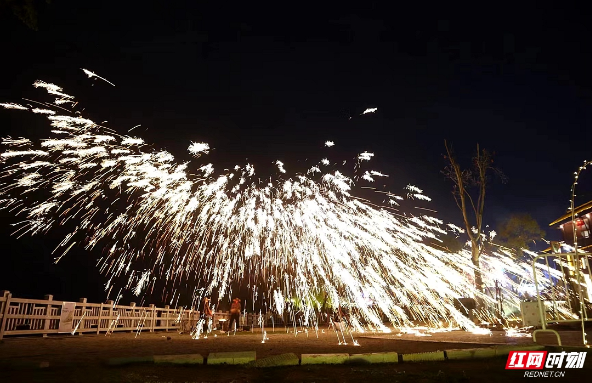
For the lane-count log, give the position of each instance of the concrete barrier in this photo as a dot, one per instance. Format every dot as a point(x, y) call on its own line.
point(242, 357)
point(179, 359)
point(378, 357)
point(324, 358)
point(289, 359)
point(424, 356)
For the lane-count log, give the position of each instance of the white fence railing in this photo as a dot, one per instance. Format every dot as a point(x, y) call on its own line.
point(20, 316)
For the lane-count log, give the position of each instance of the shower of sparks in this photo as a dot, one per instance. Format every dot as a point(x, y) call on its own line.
point(302, 240)
point(327, 143)
point(370, 110)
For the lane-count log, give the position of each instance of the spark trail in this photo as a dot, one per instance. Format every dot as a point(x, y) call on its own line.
point(303, 236)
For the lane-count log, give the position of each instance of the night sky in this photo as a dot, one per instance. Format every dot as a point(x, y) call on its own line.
point(276, 82)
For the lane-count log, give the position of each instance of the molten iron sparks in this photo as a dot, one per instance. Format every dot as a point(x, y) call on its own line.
point(303, 240)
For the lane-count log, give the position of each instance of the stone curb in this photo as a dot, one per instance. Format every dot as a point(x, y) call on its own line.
point(488, 352)
point(470, 353)
point(243, 357)
point(375, 357)
point(291, 359)
point(179, 359)
point(324, 358)
point(424, 356)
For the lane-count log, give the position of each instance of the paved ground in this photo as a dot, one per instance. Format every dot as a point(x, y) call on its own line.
point(90, 349)
point(568, 338)
point(81, 358)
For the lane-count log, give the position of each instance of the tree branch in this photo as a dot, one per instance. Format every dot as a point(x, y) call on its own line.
point(462, 192)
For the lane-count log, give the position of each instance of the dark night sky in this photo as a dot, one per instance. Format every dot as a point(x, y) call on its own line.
point(276, 82)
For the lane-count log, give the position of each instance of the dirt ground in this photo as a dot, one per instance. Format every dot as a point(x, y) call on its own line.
point(82, 358)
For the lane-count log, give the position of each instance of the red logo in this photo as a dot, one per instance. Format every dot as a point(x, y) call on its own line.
point(526, 360)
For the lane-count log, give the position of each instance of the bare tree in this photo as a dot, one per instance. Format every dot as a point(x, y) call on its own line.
point(471, 205)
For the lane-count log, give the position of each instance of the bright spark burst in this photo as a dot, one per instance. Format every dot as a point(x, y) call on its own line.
point(92, 74)
point(365, 156)
point(198, 148)
point(303, 238)
point(280, 166)
point(370, 110)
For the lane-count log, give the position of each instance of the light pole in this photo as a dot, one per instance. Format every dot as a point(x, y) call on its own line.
point(575, 239)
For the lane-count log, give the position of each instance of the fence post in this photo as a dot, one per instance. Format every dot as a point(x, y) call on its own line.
point(7, 295)
point(110, 321)
point(82, 312)
point(153, 317)
point(167, 317)
point(194, 319)
point(134, 324)
point(48, 297)
point(99, 320)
